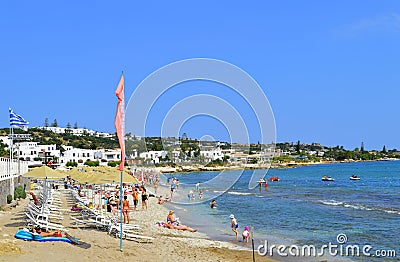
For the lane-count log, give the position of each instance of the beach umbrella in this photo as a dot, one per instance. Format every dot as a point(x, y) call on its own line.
point(99, 175)
point(81, 175)
point(116, 177)
point(44, 172)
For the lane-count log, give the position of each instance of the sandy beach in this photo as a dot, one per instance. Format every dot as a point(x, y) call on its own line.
point(168, 245)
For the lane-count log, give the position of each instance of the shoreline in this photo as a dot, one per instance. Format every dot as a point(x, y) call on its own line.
point(198, 168)
point(168, 245)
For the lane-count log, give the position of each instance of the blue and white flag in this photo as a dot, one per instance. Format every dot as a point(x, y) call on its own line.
point(17, 120)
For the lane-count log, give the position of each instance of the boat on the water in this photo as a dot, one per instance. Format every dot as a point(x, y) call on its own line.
point(354, 177)
point(273, 178)
point(327, 178)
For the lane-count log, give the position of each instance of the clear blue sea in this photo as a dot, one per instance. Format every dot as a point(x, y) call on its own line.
point(301, 209)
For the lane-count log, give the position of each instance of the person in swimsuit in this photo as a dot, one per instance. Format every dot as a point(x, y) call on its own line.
point(172, 223)
point(234, 225)
point(213, 204)
point(56, 233)
point(144, 198)
point(180, 227)
point(246, 234)
point(171, 219)
point(135, 198)
point(125, 210)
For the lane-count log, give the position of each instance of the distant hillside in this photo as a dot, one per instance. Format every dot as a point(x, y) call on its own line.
point(47, 137)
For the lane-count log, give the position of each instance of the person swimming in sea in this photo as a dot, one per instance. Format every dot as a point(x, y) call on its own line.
point(213, 204)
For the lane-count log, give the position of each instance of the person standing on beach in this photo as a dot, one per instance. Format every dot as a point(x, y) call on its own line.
point(234, 225)
point(135, 198)
point(172, 189)
point(144, 198)
point(125, 210)
point(155, 187)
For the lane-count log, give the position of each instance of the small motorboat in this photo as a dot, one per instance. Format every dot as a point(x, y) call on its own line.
point(273, 178)
point(354, 177)
point(327, 178)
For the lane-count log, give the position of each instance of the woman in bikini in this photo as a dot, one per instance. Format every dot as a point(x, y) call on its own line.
point(172, 223)
point(125, 210)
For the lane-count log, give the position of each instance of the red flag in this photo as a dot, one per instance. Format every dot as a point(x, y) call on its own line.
point(119, 120)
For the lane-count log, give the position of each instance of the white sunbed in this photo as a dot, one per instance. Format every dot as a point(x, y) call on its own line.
point(43, 223)
point(135, 237)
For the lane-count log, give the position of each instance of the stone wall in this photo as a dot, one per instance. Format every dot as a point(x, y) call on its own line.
point(5, 188)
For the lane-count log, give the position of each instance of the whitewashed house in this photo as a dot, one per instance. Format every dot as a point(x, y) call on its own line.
point(80, 155)
point(29, 151)
point(212, 154)
point(154, 155)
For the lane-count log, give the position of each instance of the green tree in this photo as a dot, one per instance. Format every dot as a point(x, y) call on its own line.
point(68, 128)
point(76, 125)
point(54, 124)
point(298, 147)
point(91, 163)
point(384, 150)
point(46, 122)
point(362, 147)
point(71, 164)
point(3, 151)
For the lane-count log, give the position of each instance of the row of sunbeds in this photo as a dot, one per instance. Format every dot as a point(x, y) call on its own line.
point(104, 221)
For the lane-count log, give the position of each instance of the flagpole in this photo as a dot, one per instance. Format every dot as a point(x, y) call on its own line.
point(12, 161)
point(120, 183)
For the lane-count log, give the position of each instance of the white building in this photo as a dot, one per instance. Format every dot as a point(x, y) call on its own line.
point(153, 155)
point(75, 131)
point(29, 151)
point(212, 154)
point(80, 155)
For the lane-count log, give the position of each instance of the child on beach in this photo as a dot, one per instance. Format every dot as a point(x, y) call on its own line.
point(234, 225)
point(135, 198)
point(246, 234)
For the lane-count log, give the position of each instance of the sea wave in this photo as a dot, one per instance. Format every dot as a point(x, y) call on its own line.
point(360, 207)
point(240, 193)
point(331, 202)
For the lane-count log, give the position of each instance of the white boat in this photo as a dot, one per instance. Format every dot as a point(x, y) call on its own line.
point(327, 178)
point(353, 177)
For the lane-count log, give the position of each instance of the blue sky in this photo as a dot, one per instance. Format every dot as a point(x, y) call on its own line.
point(330, 69)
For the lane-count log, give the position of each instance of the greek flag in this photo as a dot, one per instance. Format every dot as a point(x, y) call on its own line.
point(17, 120)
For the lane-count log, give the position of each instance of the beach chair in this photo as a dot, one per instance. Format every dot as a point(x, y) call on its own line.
point(135, 237)
point(32, 221)
point(82, 222)
point(31, 207)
